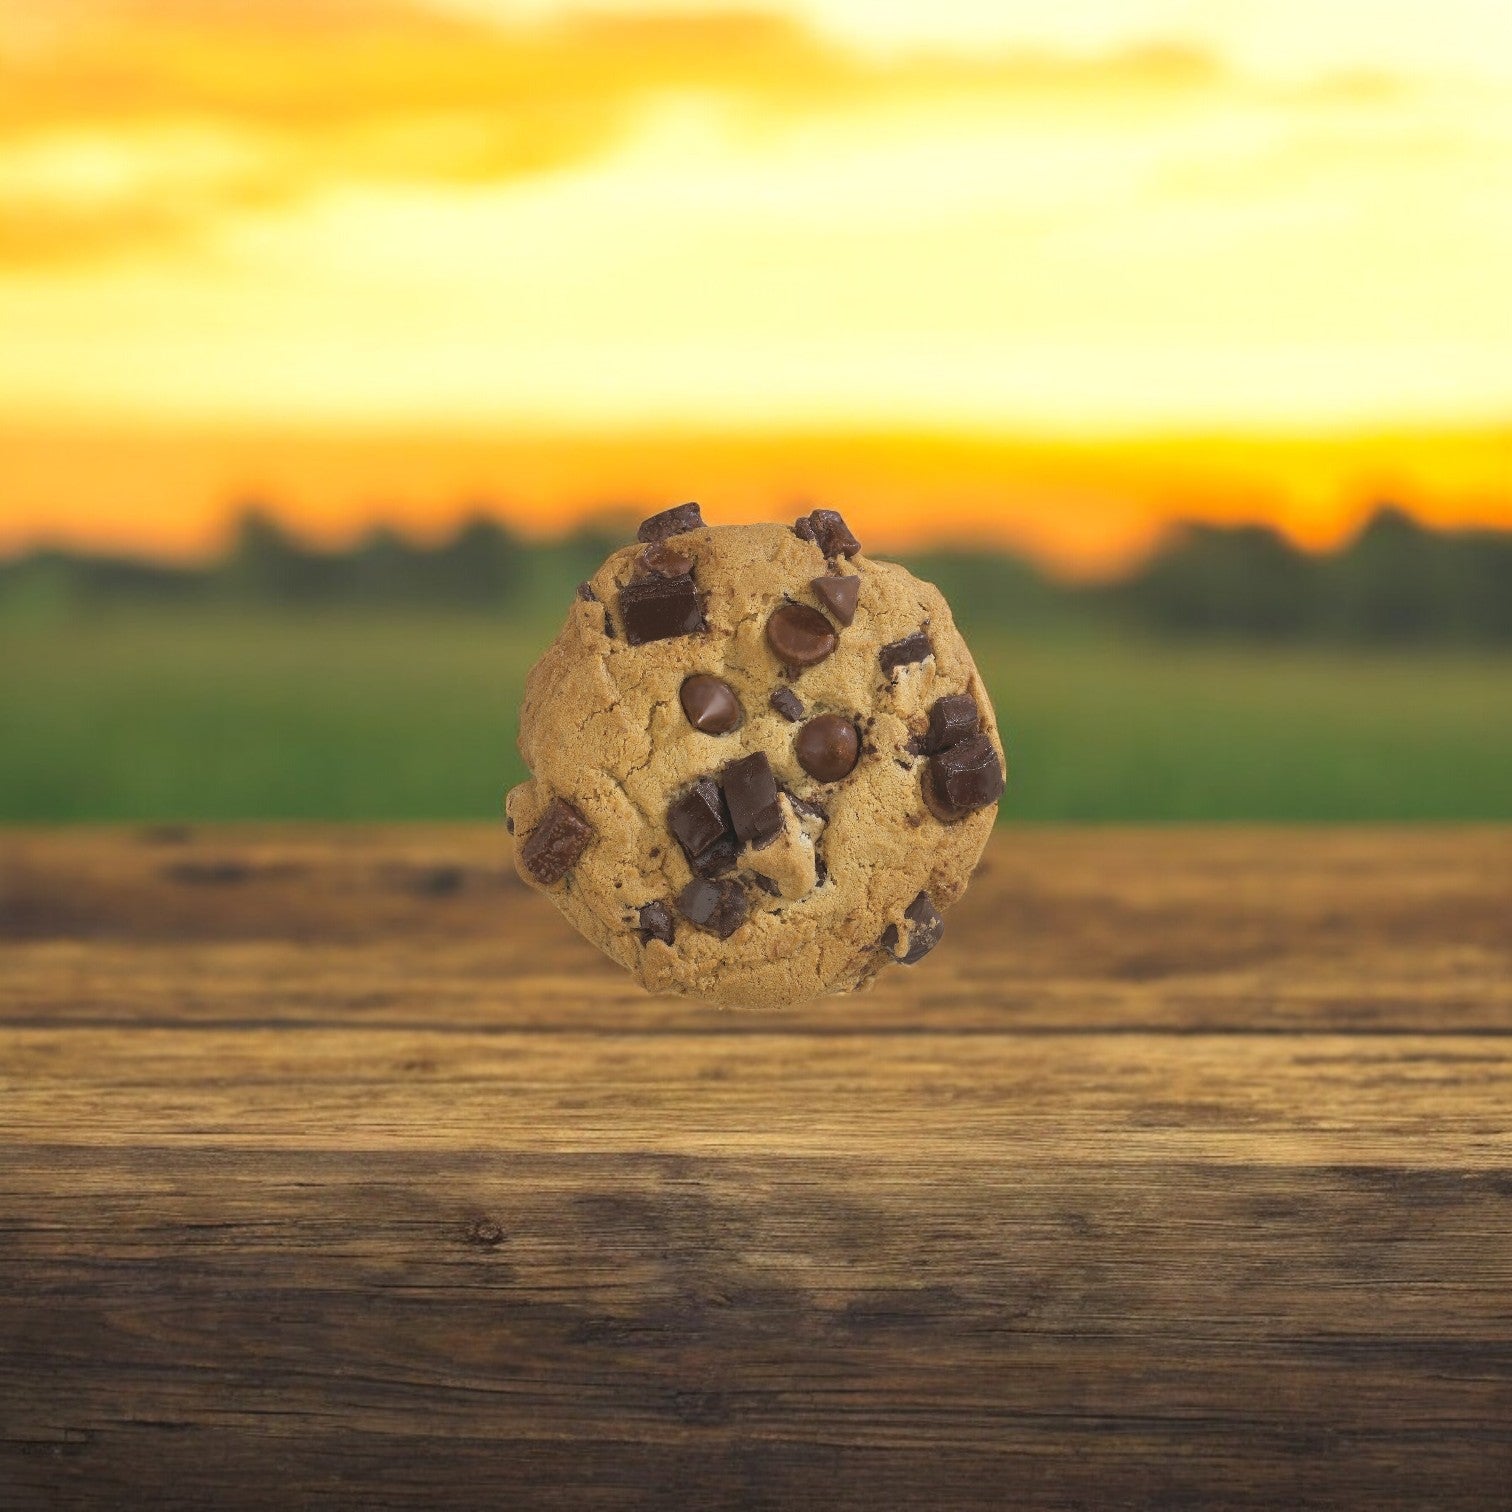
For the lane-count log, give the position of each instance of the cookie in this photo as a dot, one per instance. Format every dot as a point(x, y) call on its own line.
point(763, 764)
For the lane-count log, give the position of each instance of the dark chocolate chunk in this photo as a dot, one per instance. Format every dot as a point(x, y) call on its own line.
point(800, 636)
point(665, 560)
point(710, 704)
point(698, 818)
point(509, 824)
point(787, 703)
point(750, 791)
point(767, 884)
point(951, 720)
point(670, 522)
point(828, 532)
point(821, 870)
point(586, 593)
point(827, 747)
point(718, 859)
point(560, 836)
point(719, 907)
point(656, 608)
point(655, 923)
point(963, 779)
point(839, 595)
point(912, 648)
point(925, 928)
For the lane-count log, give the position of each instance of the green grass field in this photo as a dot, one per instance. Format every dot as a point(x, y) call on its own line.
point(195, 715)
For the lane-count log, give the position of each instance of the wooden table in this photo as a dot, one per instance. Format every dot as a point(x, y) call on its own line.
point(335, 1171)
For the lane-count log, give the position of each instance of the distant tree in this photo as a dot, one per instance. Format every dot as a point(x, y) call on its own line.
point(266, 563)
point(1245, 580)
point(481, 565)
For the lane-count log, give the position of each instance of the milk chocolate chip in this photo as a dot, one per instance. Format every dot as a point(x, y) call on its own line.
point(657, 608)
point(951, 720)
point(750, 790)
point(719, 907)
point(925, 926)
point(966, 777)
point(899, 653)
point(800, 636)
point(655, 923)
point(560, 836)
point(670, 522)
point(839, 595)
point(828, 532)
point(710, 704)
point(827, 747)
point(788, 704)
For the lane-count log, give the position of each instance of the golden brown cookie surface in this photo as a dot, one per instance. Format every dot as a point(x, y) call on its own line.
point(740, 793)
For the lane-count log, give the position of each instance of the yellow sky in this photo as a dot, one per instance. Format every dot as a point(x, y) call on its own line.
point(1110, 219)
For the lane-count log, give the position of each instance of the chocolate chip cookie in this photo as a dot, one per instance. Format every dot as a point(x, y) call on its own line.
point(764, 764)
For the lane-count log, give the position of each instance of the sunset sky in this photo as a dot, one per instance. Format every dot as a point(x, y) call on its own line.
point(1059, 273)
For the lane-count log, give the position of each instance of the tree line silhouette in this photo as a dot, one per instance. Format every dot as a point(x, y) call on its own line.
point(1393, 582)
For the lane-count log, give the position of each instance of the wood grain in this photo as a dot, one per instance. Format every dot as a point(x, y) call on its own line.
point(334, 1171)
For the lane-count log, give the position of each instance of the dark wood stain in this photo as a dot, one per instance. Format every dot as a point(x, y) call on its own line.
point(1179, 1177)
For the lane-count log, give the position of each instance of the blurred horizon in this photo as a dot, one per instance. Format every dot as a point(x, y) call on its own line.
point(1048, 278)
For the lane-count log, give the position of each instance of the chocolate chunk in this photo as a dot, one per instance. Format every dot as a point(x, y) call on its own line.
point(951, 720)
point(827, 747)
point(912, 648)
point(769, 885)
point(586, 593)
point(655, 608)
point(800, 636)
point(828, 532)
point(718, 859)
point(698, 818)
point(719, 907)
point(509, 824)
point(925, 928)
point(670, 522)
point(560, 836)
point(655, 923)
point(710, 704)
point(963, 779)
point(787, 703)
point(839, 595)
point(665, 560)
point(750, 790)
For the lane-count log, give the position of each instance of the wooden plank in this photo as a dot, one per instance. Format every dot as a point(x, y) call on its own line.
point(1063, 931)
point(334, 1171)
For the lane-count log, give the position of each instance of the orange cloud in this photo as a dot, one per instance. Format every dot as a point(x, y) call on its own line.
point(301, 95)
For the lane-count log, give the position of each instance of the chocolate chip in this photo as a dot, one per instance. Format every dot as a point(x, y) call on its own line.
point(586, 593)
point(951, 720)
point(827, 747)
point(670, 522)
point(719, 907)
point(655, 608)
point(655, 923)
point(912, 648)
point(926, 927)
point(767, 884)
point(560, 836)
point(698, 818)
point(750, 790)
point(967, 777)
point(665, 561)
point(800, 636)
point(509, 824)
point(839, 595)
point(787, 703)
point(710, 704)
point(828, 532)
